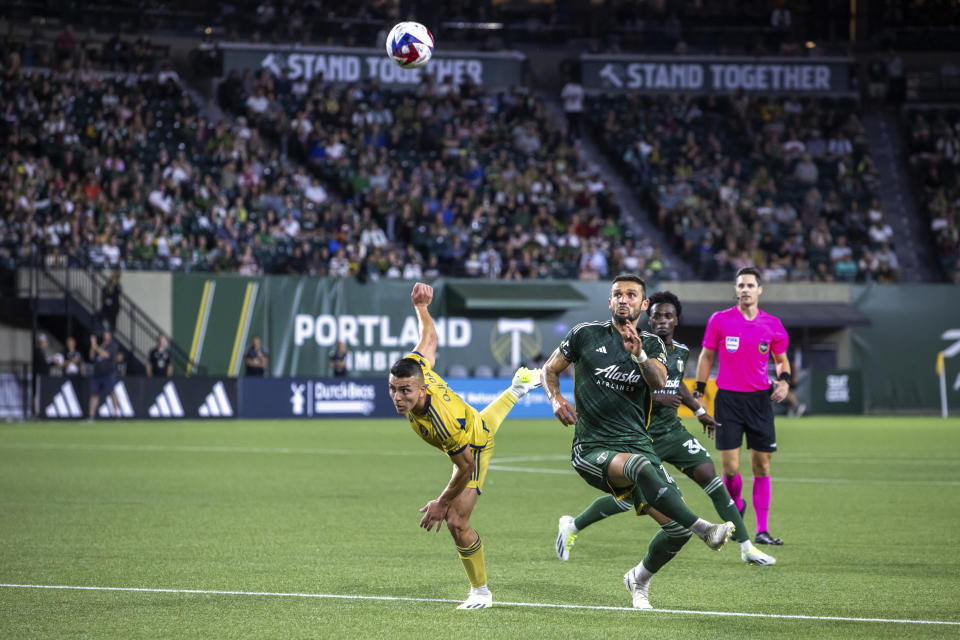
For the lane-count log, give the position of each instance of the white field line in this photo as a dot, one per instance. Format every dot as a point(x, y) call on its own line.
point(535, 605)
point(497, 464)
point(564, 458)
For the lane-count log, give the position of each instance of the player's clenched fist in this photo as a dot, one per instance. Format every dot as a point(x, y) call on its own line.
point(422, 294)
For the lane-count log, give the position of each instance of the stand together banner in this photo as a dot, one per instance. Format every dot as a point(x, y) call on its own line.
point(200, 398)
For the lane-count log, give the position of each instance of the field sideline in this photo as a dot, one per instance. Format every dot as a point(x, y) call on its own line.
point(309, 529)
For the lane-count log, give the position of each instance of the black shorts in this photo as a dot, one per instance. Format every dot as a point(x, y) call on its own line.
point(745, 412)
point(100, 385)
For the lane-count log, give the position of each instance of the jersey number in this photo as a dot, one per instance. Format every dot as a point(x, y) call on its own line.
point(693, 446)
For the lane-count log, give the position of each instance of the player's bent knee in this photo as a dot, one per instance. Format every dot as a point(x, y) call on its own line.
point(703, 474)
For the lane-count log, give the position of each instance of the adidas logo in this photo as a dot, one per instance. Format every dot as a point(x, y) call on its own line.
point(65, 403)
point(167, 404)
point(601, 349)
point(124, 408)
point(217, 405)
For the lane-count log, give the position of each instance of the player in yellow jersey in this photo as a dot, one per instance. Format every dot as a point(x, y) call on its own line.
point(439, 416)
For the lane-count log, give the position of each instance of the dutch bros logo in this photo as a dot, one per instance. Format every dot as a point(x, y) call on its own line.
point(733, 343)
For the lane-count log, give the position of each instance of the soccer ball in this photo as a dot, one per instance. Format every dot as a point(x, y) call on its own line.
point(410, 45)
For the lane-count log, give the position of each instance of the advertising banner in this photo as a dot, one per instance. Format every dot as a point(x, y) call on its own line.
point(481, 392)
point(140, 398)
point(838, 391)
point(339, 65)
point(316, 398)
point(716, 74)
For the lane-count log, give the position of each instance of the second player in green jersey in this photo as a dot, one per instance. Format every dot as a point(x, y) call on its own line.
point(671, 441)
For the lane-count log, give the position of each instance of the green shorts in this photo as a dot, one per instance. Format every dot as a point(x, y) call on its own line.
point(682, 450)
point(592, 462)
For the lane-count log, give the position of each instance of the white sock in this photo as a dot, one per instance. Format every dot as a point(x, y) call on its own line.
point(480, 591)
point(746, 545)
point(642, 575)
point(701, 527)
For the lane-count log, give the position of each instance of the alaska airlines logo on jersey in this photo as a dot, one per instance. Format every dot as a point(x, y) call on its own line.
point(763, 347)
point(733, 343)
point(613, 373)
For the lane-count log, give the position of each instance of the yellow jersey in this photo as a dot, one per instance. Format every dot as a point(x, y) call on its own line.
point(447, 422)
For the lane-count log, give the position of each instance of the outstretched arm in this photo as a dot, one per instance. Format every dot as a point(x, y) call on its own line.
point(708, 422)
point(421, 296)
point(550, 374)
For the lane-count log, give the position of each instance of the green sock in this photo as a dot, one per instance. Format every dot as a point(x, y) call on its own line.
point(726, 507)
point(666, 544)
point(600, 509)
point(661, 495)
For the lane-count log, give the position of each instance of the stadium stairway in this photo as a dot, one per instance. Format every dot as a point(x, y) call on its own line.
point(634, 215)
point(912, 246)
point(66, 303)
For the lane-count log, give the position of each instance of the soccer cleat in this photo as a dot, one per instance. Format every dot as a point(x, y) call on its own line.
point(477, 601)
point(638, 591)
point(718, 534)
point(743, 509)
point(764, 537)
point(525, 380)
point(566, 537)
point(757, 557)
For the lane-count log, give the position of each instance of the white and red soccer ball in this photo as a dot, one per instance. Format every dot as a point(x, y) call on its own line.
point(410, 45)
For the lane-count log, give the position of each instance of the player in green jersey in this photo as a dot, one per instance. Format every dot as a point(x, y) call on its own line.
point(671, 441)
point(615, 369)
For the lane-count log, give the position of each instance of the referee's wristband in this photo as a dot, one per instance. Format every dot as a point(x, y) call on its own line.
point(785, 376)
point(699, 412)
point(700, 390)
point(643, 357)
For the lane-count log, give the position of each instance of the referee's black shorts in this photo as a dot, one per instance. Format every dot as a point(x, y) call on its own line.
point(745, 412)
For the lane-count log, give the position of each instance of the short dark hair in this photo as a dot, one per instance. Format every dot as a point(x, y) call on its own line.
point(749, 271)
point(406, 368)
point(665, 296)
point(629, 277)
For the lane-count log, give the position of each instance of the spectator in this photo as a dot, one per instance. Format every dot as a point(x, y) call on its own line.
point(103, 355)
point(72, 360)
point(41, 358)
point(255, 359)
point(110, 301)
point(338, 360)
point(573, 95)
point(159, 360)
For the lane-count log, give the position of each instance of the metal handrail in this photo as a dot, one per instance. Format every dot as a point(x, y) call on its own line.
point(135, 328)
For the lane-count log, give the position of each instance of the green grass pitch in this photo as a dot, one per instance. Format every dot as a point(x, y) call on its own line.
point(869, 509)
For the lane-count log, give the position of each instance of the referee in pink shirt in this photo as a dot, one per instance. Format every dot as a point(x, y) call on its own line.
point(745, 337)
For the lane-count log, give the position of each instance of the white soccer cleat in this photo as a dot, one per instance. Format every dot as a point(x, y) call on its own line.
point(477, 600)
point(718, 534)
point(524, 381)
point(637, 591)
point(566, 536)
point(757, 557)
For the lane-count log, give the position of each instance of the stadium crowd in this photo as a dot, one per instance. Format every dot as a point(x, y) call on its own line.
point(785, 185)
point(125, 169)
point(934, 138)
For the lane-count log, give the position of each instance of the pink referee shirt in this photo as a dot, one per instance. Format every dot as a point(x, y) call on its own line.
point(744, 347)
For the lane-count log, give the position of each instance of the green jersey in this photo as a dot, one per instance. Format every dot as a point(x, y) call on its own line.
point(665, 419)
point(612, 399)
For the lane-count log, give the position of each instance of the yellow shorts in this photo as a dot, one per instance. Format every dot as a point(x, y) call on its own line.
point(482, 459)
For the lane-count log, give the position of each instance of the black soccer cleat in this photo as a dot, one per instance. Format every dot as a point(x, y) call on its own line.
point(764, 537)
